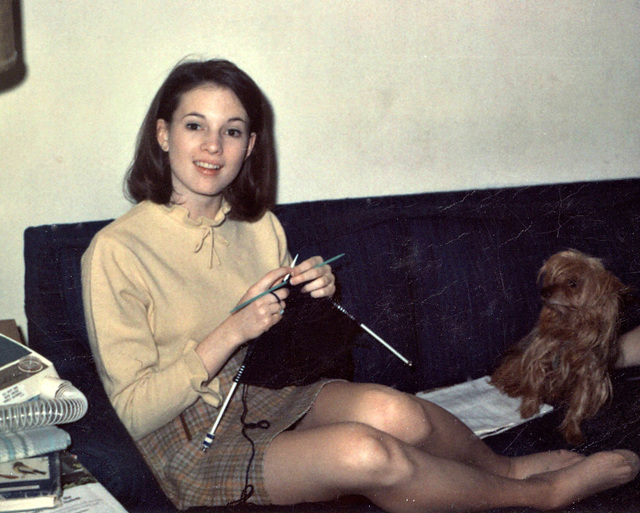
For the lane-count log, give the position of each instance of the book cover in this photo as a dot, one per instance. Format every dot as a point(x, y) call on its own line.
point(30, 483)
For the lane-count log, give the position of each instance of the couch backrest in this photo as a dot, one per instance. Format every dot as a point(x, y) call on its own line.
point(53, 296)
point(449, 279)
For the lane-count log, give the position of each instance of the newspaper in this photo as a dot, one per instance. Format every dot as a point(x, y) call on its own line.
point(481, 406)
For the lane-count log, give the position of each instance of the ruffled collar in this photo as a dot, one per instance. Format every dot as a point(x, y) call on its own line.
point(209, 236)
point(181, 214)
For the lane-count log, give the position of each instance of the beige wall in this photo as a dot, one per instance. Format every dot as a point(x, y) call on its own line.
point(372, 97)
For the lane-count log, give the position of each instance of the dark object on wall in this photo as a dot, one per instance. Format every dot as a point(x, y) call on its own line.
point(8, 52)
point(12, 68)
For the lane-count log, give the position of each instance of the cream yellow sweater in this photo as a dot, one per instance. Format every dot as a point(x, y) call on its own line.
point(155, 283)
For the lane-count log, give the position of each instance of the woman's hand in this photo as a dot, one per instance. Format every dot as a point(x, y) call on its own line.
point(247, 323)
point(320, 281)
point(263, 313)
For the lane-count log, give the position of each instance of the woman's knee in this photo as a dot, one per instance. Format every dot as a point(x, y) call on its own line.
point(326, 462)
point(399, 414)
point(372, 457)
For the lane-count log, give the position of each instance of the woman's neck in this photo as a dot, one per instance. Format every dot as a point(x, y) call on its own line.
point(208, 207)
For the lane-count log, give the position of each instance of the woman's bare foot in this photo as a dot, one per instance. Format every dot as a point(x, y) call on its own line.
point(522, 467)
point(593, 474)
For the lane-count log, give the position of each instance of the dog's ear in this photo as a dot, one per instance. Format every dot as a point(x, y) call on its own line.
point(609, 289)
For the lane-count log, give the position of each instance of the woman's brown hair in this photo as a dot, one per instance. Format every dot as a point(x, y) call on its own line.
point(253, 190)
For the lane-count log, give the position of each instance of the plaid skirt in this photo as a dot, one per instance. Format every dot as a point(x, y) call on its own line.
point(231, 470)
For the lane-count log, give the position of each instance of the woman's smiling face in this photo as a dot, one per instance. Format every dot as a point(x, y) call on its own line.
point(208, 140)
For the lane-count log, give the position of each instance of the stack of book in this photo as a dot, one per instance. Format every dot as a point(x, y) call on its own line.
point(55, 479)
point(30, 442)
point(36, 472)
point(30, 468)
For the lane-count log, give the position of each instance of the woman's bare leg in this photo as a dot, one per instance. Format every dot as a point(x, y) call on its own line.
point(424, 425)
point(325, 462)
point(629, 349)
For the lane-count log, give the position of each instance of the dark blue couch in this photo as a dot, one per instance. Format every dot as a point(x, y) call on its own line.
point(447, 278)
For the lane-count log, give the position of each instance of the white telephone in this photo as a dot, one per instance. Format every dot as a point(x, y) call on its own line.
point(31, 392)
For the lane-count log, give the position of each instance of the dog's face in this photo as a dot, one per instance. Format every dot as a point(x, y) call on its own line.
point(572, 280)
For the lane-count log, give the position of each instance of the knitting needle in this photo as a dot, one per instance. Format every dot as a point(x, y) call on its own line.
point(208, 439)
point(407, 362)
point(370, 332)
point(280, 285)
point(248, 302)
point(332, 259)
point(293, 264)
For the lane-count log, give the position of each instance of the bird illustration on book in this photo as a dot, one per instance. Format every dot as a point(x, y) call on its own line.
point(23, 468)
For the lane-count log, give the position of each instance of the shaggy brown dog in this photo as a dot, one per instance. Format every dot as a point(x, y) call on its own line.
point(566, 358)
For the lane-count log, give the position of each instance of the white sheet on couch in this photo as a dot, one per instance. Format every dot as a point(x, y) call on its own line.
point(481, 406)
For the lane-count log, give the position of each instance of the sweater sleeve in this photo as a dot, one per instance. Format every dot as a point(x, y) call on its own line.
point(118, 309)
